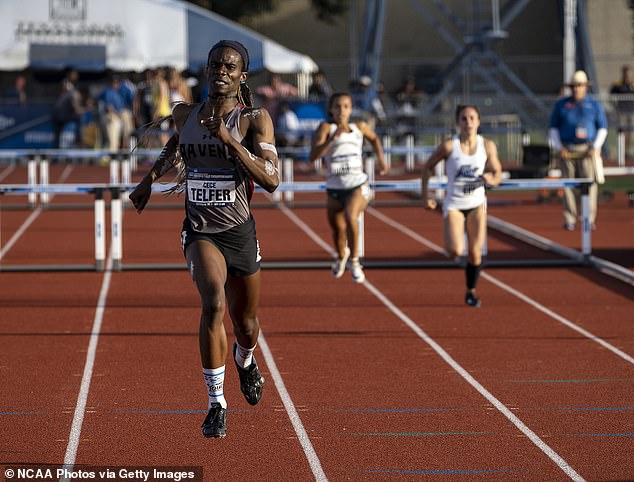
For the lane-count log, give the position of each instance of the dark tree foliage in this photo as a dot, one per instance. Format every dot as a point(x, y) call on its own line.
point(329, 10)
point(325, 10)
point(235, 10)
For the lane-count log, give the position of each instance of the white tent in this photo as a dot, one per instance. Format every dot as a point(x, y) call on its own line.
point(127, 35)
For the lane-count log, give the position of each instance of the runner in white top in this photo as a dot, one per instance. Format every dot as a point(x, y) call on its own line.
point(471, 164)
point(340, 143)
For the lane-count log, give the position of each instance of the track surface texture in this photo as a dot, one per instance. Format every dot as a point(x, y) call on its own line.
point(393, 379)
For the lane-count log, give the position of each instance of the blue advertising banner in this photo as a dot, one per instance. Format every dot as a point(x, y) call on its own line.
point(25, 126)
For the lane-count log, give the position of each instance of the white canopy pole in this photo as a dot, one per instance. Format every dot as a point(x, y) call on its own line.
point(570, 24)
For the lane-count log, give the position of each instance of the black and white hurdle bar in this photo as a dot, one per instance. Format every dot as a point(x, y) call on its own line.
point(116, 224)
point(97, 190)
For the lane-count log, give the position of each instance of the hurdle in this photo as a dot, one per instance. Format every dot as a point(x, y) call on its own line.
point(413, 185)
point(622, 132)
point(99, 221)
point(573, 257)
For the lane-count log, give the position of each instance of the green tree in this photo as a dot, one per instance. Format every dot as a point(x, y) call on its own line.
point(329, 10)
point(325, 10)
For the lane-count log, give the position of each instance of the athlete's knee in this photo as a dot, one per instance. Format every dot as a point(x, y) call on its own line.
point(246, 324)
point(352, 217)
point(213, 307)
point(475, 257)
point(453, 251)
point(475, 253)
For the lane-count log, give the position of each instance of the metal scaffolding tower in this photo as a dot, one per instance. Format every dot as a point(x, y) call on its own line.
point(475, 65)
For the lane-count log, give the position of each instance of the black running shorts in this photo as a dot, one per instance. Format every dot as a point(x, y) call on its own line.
point(238, 245)
point(342, 195)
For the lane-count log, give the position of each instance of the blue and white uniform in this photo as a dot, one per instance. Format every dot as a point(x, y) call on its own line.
point(465, 188)
point(344, 160)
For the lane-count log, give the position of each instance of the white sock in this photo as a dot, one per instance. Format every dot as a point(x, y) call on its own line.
point(215, 381)
point(244, 356)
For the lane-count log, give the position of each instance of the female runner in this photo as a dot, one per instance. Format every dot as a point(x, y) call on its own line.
point(340, 143)
point(471, 164)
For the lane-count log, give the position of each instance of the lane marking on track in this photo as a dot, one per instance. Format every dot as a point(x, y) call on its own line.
point(302, 435)
point(443, 472)
point(508, 289)
point(532, 436)
point(309, 232)
point(82, 397)
point(8, 170)
point(32, 217)
point(559, 318)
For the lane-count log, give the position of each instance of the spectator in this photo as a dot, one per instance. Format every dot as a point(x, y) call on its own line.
point(408, 100)
point(275, 90)
point(577, 130)
point(369, 103)
point(17, 93)
point(67, 109)
point(625, 107)
point(178, 88)
point(145, 109)
point(161, 95)
point(320, 89)
point(127, 91)
point(89, 121)
point(111, 104)
point(288, 130)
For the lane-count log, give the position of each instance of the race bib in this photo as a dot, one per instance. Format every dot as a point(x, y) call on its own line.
point(211, 188)
point(342, 165)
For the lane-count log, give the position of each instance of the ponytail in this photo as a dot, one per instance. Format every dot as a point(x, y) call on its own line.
point(245, 96)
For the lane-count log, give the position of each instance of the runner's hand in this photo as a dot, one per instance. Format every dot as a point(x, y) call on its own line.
point(430, 204)
point(141, 194)
point(217, 128)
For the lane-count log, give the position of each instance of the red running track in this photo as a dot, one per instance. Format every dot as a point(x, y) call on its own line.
point(391, 380)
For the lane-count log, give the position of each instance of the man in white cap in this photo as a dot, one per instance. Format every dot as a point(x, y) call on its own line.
point(577, 130)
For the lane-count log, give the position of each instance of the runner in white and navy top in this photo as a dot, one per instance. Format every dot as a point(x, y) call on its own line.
point(223, 146)
point(340, 144)
point(471, 163)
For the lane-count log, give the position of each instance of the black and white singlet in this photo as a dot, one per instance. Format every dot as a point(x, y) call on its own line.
point(218, 188)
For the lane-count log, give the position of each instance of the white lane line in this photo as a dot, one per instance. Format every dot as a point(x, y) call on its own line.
point(509, 289)
point(302, 435)
point(82, 398)
point(304, 440)
point(18, 234)
point(311, 234)
point(405, 230)
point(559, 318)
point(32, 217)
point(8, 170)
point(532, 436)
